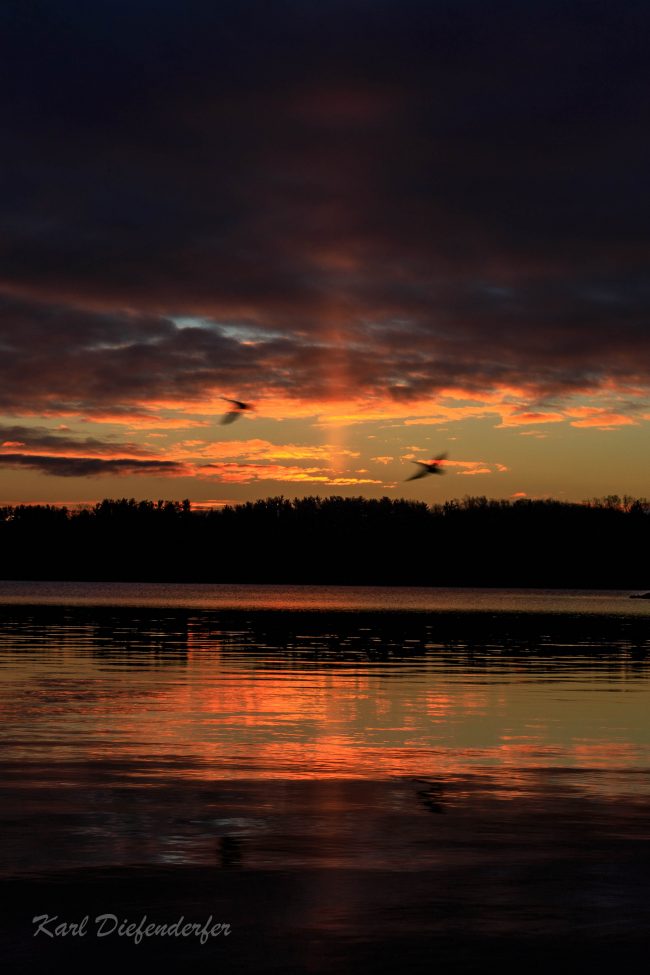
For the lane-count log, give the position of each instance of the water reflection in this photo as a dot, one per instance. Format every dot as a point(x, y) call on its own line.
point(348, 695)
point(349, 789)
point(353, 791)
point(248, 740)
point(74, 817)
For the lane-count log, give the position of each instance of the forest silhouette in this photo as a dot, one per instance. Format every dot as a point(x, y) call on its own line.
point(475, 541)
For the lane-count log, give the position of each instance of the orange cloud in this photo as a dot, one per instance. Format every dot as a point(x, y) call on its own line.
point(138, 419)
point(107, 451)
point(259, 450)
point(245, 473)
point(522, 419)
point(450, 404)
point(447, 414)
point(591, 416)
point(507, 403)
point(143, 421)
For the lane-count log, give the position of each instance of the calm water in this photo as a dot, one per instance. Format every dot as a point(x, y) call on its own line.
point(256, 729)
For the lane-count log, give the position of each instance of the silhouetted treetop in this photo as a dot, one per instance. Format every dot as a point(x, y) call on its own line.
point(475, 541)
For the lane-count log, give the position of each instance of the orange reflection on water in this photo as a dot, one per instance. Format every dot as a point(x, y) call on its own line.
point(209, 704)
point(216, 715)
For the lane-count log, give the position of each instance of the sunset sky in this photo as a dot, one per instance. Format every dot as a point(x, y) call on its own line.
point(396, 228)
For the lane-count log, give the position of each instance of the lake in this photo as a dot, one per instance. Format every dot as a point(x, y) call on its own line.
point(349, 777)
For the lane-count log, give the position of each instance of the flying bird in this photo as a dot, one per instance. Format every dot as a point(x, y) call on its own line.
point(237, 409)
point(430, 467)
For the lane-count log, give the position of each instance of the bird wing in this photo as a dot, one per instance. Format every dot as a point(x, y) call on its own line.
point(230, 417)
point(424, 470)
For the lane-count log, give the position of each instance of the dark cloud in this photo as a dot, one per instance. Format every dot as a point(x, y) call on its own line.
point(407, 194)
point(72, 359)
point(89, 466)
point(44, 439)
point(548, 342)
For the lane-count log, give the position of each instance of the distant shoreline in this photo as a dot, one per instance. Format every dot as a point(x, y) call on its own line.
point(480, 605)
point(290, 584)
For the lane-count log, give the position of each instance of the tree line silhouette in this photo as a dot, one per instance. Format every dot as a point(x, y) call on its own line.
point(475, 541)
